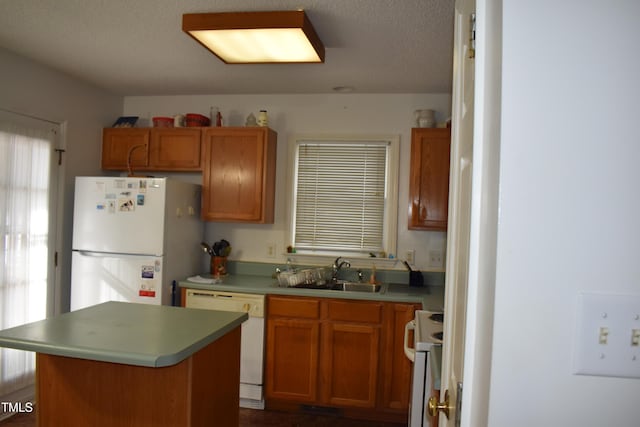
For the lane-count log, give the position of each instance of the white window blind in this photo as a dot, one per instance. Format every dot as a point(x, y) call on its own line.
point(340, 196)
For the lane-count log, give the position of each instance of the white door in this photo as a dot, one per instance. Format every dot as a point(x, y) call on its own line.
point(98, 277)
point(30, 174)
point(459, 211)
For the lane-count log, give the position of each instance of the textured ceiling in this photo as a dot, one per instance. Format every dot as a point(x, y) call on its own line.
point(137, 47)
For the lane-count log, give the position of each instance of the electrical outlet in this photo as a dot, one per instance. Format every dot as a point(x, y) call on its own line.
point(436, 259)
point(271, 250)
point(410, 256)
point(607, 342)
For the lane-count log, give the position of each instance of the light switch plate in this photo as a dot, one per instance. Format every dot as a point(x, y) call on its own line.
point(607, 339)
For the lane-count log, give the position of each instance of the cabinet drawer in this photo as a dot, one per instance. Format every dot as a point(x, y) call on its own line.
point(294, 307)
point(354, 311)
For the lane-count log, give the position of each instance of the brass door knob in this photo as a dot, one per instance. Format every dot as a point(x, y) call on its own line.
point(433, 406)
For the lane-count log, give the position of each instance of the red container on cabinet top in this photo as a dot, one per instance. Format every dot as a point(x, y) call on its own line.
point(196, 120)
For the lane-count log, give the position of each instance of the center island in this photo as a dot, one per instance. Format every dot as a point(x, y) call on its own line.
point(128, 364)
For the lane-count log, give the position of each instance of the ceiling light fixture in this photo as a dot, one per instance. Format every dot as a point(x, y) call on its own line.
point(256, 37)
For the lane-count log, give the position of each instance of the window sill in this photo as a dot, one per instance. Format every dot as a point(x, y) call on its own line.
point(355, 261)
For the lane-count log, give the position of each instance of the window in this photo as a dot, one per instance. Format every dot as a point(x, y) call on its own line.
point(344, 195)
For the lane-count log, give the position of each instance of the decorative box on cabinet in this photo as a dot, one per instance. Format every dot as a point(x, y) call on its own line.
point(152, 149)
point(239, 174)
point(429, 178)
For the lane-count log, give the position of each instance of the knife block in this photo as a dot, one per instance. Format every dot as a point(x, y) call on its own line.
point(416, 279)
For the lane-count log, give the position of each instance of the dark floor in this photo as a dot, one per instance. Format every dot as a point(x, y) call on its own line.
point(248, 418)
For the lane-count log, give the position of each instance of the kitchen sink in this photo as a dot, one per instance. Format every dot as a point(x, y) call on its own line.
point(358, 287)
point(345, 287)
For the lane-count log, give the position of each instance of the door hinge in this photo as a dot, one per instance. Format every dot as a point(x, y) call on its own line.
point(472, 36)
point(55, 259)
point(458, 404)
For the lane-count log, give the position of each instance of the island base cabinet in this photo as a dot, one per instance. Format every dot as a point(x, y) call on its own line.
point(194, 392)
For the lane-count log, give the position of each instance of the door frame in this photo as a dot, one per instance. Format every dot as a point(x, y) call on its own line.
point(480, 300)
point(484, 216)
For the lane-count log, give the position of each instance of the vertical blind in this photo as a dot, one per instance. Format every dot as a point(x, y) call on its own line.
point(340, 196)
point(24, 220)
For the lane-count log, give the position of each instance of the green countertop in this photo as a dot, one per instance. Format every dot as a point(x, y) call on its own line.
point(431, 297)
point(127, 333)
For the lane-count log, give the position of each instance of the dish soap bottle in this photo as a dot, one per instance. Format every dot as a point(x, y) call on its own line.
point(372, 278)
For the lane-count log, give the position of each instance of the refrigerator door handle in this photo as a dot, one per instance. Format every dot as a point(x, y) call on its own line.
point(92, 254)
point(112, 254)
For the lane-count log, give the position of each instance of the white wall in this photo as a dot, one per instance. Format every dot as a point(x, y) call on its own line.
point(293, 114)
point(29, 88)
point(569, 204)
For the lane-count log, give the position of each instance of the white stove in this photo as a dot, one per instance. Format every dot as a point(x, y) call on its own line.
point(427, 327)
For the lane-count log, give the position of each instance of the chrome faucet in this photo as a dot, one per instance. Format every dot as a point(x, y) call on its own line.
point(337, 265)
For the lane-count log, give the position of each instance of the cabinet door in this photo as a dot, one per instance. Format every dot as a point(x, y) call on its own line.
point(429, 178)
point(396, 371)
point(123, 145)
point(350, 364)
point(239, 174)
point(349, 368)
point(175, 149)
point(293, 337)
point(292, 359)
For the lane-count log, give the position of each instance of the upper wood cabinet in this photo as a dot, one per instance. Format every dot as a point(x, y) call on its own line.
point(239, 174)
point(175, 149)
point(152, 149)
point(429, 178)
point(124, 146)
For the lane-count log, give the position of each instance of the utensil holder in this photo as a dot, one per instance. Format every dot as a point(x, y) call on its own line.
point(218, 265)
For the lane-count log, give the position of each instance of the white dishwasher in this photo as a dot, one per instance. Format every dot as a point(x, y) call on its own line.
point(252, 347)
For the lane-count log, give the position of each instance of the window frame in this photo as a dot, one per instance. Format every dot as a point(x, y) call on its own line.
point(390, 226)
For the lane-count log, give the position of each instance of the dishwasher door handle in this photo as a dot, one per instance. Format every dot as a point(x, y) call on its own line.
point(206, 294)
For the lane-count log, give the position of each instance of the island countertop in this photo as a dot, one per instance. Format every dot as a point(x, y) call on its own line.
point(126, 333)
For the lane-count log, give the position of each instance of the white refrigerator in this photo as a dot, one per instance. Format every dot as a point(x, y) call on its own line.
point(132, 237)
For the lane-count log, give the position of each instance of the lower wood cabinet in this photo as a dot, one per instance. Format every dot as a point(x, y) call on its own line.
point(338, 353)
point(350, 353)
point(293, 344)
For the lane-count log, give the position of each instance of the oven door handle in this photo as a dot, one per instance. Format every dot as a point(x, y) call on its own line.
point(408, 351)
